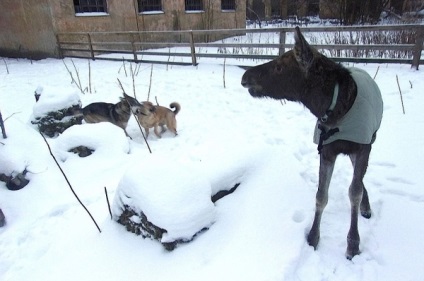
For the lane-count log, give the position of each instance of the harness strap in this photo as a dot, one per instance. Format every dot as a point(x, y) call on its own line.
point(329, 111)
point(325, 135)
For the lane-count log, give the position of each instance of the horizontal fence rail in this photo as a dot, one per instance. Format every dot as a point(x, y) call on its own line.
point(373, 44)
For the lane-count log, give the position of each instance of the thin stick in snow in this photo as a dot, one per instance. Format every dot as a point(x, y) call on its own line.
point(150, 83)
point(137, 69)
point(133, 82)
point(223, 75)
point(400, 92)
point(125, 69)
point(3, 130)
point(5, 63)
point(108, 204)
point(78, 77)
point(375, 75)
point(72, 78)
point(89, 76)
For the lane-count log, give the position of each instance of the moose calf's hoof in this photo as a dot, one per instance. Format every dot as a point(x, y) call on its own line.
point(366, 214)
point(313, 240)
point(352, 248)
point(2, 219)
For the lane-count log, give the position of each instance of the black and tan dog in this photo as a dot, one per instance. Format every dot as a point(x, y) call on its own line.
point(158, 116)
point(117, 114)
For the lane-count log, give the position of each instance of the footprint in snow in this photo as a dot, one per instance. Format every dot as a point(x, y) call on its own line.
point(298, 216)
point(399, 180)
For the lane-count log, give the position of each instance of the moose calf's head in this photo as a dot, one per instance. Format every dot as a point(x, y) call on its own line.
point(286, 76)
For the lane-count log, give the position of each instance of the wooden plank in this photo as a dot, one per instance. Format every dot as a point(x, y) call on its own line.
point(138, 61)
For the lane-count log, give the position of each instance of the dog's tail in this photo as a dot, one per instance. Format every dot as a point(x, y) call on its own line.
point(177, 107)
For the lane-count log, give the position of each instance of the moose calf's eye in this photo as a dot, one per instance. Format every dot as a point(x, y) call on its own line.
point(278, 68)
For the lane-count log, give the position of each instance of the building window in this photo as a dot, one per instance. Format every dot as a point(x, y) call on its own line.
point(228, 5)
point(90, 6)
point(149, 5)
point(193, 5)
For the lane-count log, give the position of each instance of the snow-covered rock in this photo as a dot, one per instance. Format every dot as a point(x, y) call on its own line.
point(172, 208)
point(102, 138)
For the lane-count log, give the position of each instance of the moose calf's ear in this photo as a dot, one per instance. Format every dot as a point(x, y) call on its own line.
point(302, 51)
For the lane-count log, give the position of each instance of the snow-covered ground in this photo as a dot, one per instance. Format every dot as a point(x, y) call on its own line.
point(224, 136)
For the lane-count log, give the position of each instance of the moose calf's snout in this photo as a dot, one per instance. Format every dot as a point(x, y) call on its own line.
point(245, 81)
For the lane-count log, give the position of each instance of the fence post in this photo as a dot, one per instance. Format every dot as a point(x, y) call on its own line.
point(282, 48)
point(90, 46)
point(192, 49)
point(419, 40)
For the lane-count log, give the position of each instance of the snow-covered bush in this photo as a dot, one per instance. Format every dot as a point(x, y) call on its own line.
point(56, 111)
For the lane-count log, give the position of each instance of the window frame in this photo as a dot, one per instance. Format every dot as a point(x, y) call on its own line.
point(228, 3)
point(90, 7)
point(152, 9)
point(192, 6)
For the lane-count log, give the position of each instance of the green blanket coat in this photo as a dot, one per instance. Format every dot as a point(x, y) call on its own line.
point(364, 118)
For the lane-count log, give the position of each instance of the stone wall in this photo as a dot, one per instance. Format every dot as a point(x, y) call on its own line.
point(28, 27)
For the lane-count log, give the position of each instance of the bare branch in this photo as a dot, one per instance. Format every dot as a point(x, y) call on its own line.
point(69, 184)
point(136, 118)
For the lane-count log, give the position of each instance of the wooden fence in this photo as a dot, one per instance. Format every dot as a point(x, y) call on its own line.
point(370, 44)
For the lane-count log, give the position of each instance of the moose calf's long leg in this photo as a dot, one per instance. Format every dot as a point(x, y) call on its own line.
point(326, 168)
point(365, 203)
point(356, 191)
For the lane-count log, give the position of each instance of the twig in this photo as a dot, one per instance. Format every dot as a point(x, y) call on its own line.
point(69, 184)
point(70, 73)
point(108, 204)
point(150, 83)
point(410, 83)
point(77, 72)
point(89, 76)
point(223, 75)
point(72, 78)
point(137, 69)
point(136, 119)
point(3, 130)
point(125, 68)
point(400, 92)
point(5, 63)
point(133, 82)
point(156, 99)
point(169, 57)
point(283, 102)
point(375, 75)
point(11, 115)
